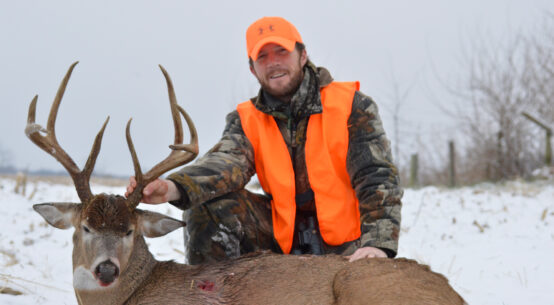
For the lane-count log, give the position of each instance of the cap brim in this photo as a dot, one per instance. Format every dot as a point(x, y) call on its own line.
point(285, 43)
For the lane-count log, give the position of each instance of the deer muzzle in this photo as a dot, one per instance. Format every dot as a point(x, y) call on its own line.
point(106, 272)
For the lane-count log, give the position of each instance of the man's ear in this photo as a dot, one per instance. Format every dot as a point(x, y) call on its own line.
point(252, 70)
point(59, 215)
point(303, 58)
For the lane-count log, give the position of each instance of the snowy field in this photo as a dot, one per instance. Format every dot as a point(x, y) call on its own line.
point(494, 242)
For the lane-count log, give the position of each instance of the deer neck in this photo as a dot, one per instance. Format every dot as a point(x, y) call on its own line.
point(140, 265)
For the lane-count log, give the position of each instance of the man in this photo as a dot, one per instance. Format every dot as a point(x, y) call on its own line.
point(321, 156)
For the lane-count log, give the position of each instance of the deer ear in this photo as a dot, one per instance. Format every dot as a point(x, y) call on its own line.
point(152, 224)
point(59, 215)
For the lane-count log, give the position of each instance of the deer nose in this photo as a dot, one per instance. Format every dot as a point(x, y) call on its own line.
point(106, 272)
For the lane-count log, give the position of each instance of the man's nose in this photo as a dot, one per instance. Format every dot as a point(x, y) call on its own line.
point(272, 58)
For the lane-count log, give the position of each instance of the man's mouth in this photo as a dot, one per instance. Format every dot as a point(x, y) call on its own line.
point(274, 76)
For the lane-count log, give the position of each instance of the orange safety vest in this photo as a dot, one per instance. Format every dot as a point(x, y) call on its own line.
point(326, 149)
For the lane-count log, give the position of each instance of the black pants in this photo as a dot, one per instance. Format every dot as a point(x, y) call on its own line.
point(228, 226)
point(233, 225)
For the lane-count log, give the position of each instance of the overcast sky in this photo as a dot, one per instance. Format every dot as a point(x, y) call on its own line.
point(202, 45)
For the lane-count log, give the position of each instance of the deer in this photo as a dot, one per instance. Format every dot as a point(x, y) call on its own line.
point(112, 264)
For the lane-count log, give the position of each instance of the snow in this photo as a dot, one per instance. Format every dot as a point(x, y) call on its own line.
point(495, 243)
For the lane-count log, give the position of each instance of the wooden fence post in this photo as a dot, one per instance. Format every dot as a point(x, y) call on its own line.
point(413, 170)
point(548, 134)
point(452, 167)
point(499, 171)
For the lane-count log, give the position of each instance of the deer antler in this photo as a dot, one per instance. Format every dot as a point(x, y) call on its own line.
point(50, 144)
point(180, 154)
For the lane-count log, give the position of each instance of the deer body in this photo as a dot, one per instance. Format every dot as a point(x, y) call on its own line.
point(260, 278)
point(106, 232)
point(112, 264)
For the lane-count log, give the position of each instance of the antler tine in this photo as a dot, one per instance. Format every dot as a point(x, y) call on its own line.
point(180, 153)
point(134, 199)
point(51, 124)
point(49, 142)
point(193, 146)
point(91, 161)
point(178, 125)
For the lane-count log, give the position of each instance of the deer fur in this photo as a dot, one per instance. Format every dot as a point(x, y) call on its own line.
point(259, 278)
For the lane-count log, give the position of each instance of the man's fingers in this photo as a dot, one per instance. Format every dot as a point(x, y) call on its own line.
point(151, 187)
point(157, 187)
point(354, 256)
point(154, 192)
point(132, 182)
point(131, 186)
point(366, 252)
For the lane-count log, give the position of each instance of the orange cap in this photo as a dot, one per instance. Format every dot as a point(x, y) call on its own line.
point(270, 29)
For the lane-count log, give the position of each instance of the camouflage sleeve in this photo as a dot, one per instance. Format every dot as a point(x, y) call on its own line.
point(227, 167)
point(374, 177)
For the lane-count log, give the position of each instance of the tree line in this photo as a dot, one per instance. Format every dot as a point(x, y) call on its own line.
point(503, 103)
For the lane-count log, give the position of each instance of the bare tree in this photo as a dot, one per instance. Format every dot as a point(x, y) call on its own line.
point(398, 95)
point(505, 78)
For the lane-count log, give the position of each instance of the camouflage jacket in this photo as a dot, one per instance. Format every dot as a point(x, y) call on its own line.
point(229, 165)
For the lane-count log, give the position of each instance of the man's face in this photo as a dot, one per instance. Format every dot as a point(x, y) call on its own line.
point(278, 70)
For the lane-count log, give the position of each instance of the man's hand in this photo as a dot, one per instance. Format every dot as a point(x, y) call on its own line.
point(368, 252)
point(155, 192)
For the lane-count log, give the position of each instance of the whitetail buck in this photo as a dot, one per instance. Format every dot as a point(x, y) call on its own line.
point(112, 264)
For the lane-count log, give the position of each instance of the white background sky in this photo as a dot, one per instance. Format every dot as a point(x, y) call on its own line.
point(202, 45)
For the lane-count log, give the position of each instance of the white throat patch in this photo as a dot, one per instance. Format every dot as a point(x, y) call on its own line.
point(84, 280)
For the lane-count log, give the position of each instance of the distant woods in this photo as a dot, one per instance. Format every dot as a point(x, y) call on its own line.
point(6, 159)
point(504, 106)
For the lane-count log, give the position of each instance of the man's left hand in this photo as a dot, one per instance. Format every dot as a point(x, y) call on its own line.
point(368, 252)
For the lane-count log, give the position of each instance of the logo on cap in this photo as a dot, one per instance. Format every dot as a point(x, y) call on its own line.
point(270, 28)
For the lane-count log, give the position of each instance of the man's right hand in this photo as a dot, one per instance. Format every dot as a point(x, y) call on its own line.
point(155, 192)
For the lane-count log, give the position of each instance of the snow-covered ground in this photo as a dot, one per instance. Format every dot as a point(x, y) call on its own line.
point(494, 242)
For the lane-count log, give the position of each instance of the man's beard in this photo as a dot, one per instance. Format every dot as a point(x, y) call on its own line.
point(285, 94)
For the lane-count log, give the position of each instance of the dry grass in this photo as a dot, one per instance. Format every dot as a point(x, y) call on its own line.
point(8, 290)
point(22, 283)
point(12, 260)
point(66, 180)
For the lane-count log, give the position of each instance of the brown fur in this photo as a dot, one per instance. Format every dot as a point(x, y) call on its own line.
point(108, 212)
point(258, 278)
point(387, 282)
point(269, 279)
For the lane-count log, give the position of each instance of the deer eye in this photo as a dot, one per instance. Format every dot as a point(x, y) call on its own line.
point(86, 229)
point(129, 232)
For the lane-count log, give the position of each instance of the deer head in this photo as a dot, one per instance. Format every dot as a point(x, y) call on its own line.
point(108, 228)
